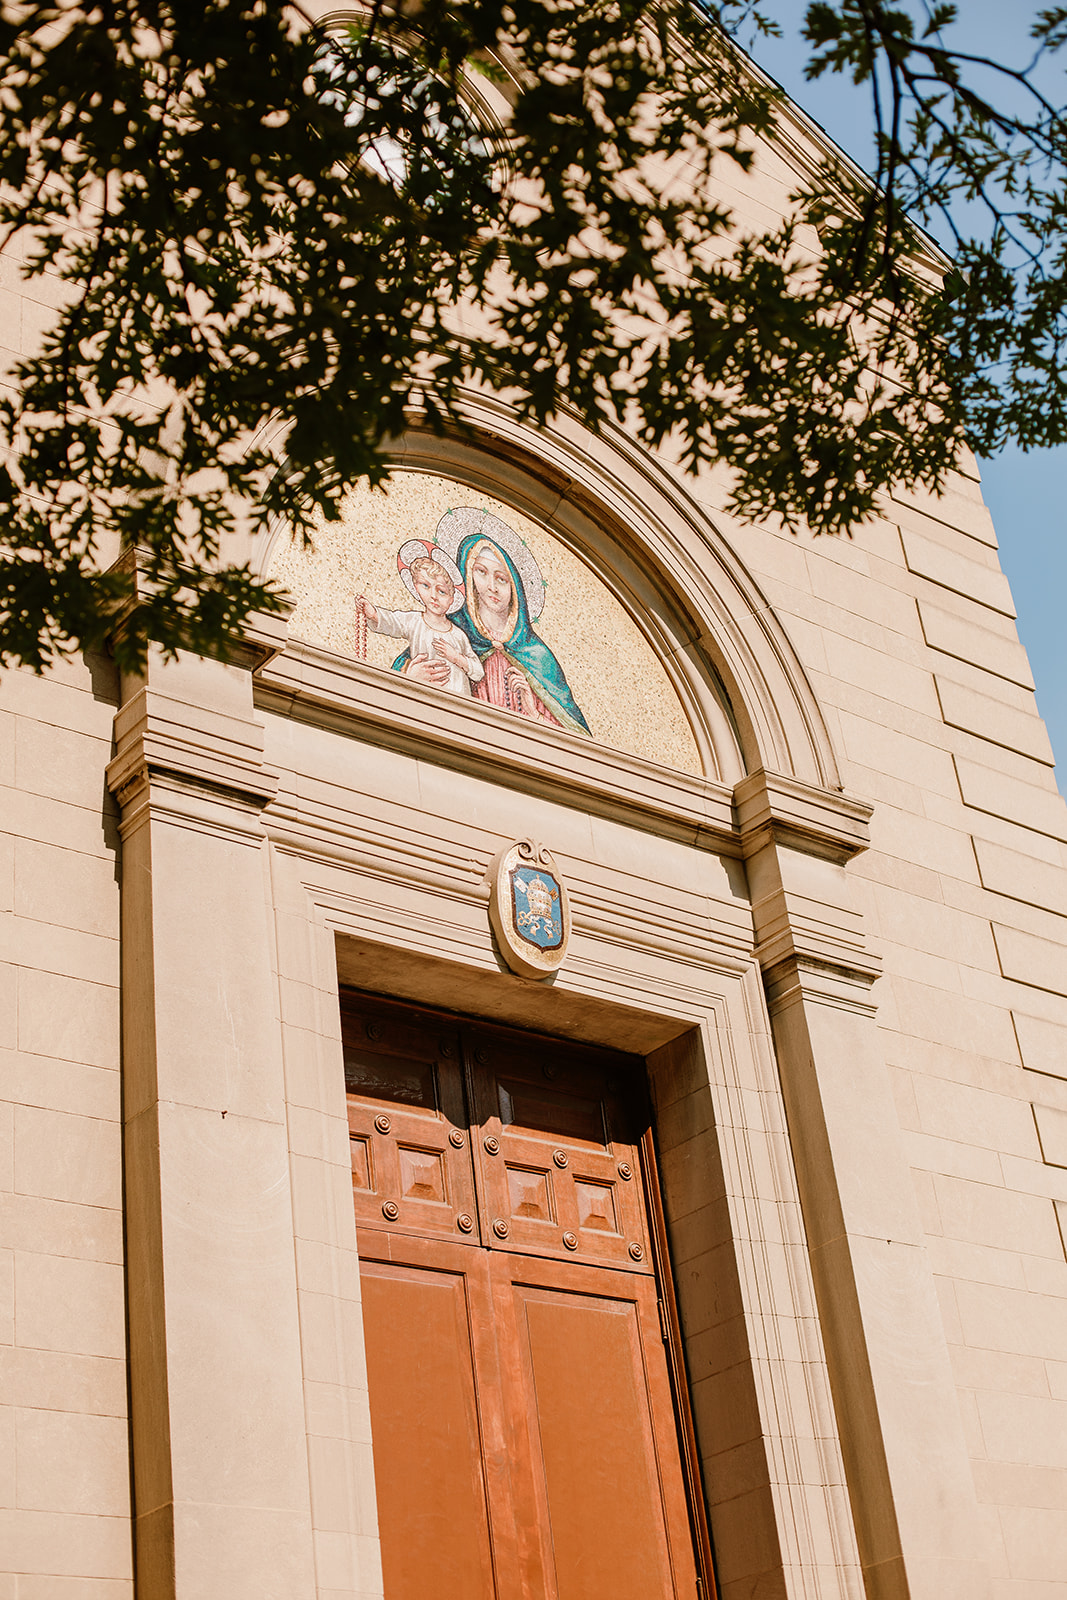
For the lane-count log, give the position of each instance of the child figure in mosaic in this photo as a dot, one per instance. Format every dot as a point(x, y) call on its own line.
point(437, 651)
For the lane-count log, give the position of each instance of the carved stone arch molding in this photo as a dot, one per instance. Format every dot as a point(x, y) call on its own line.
point(658, 551)
point(608, 482)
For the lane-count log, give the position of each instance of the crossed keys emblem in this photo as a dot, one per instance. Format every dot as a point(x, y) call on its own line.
point(541, 904)
point(529, 910)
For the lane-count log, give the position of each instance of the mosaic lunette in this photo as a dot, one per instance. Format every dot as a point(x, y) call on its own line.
point(553, 643)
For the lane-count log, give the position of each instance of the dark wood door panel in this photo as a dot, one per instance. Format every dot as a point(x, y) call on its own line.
point(407, 1121)
point(556, 1148)
point(523, 1397)
point(433, 1505)
point(589, 1391)
point(448, 1467)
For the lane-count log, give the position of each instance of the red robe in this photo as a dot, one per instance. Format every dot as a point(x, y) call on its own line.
point(494, 688)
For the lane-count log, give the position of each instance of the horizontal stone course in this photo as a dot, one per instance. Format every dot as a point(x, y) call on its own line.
point(954, 635)
point(990, 719)
point(1027, 958)
point(1022, 876)
point(1052, 1131)
point(1042, 1043)
point(1003, 795)
point(958, 510)
point(959, 572)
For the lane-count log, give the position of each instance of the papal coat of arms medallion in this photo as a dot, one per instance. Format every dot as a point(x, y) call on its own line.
point(529, 910)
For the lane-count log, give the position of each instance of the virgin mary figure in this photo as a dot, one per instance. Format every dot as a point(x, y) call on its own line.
point(504, 596)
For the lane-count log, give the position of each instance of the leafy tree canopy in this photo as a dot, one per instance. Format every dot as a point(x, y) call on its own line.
point(277, 237)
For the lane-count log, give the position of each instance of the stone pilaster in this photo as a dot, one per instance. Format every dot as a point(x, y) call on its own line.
point(905, 1454)
point(218, 1432)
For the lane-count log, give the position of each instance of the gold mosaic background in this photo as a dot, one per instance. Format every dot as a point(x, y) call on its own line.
point(614, 674)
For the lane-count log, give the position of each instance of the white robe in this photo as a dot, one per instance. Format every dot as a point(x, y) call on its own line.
point(412, 626)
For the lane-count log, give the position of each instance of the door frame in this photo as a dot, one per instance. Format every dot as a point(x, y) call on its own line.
point(773, 1477)
point(408, 1236)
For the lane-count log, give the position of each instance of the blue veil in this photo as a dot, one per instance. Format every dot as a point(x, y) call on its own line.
point(524, 649)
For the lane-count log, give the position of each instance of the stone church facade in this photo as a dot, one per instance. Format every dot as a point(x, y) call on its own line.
point(802, 807)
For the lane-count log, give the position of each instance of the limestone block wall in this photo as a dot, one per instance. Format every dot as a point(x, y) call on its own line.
point(64, 1456)
point(908, 634)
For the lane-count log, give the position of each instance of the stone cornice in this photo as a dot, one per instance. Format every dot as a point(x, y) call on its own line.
point(181, 732)
point(317, 686)
point(263, 634)
point(160, 736)
point(815, 948)
point(796, 840)
point(787, 811)
point(382, 708)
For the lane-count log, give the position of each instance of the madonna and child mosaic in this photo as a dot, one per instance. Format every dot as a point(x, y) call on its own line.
point(465, 595)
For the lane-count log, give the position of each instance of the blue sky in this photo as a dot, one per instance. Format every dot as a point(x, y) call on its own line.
point(1026, 493)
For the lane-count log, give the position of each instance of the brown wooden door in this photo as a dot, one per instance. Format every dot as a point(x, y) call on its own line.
point(526, 1438)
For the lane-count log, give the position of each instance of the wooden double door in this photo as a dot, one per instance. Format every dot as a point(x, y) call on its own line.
point(530, 1427)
